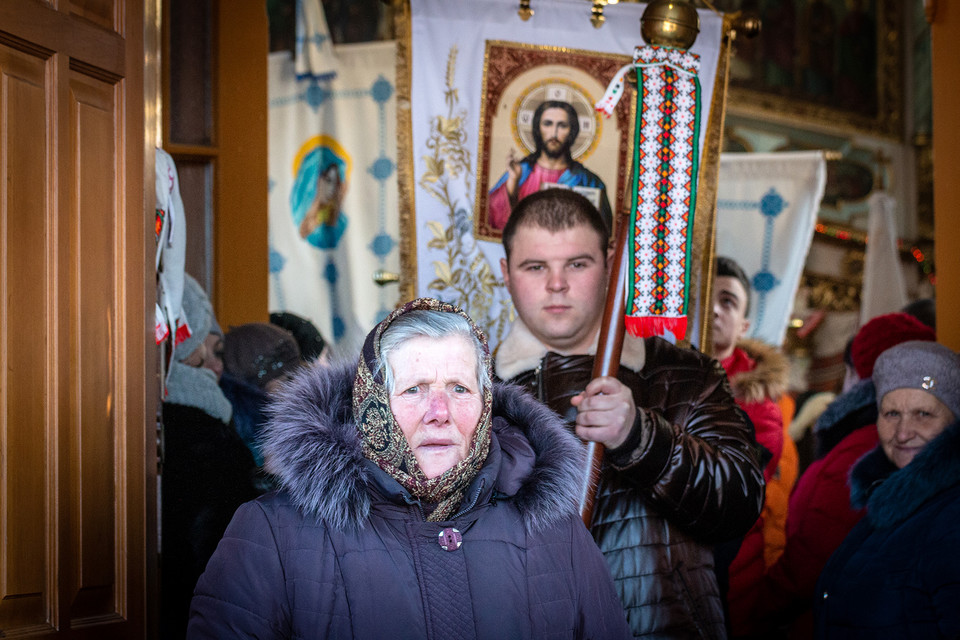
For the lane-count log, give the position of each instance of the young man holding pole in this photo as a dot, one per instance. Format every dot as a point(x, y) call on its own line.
point(681, 471)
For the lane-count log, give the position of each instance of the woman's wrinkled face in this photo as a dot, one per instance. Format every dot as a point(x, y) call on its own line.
point(436, 399)
point(909, 419)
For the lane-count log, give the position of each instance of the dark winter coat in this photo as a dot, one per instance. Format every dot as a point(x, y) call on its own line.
point(343, 551)
point(688, 477)
point(897, 575)
point(820, 516)
point(207, 474)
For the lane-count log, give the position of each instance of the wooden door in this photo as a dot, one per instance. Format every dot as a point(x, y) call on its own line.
point(215, 127)
point(77, 398)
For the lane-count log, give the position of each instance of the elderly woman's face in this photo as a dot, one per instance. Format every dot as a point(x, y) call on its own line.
point(436, 399)
point(909, 419)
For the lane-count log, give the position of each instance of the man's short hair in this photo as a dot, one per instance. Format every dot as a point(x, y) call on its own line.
point(555, 210)
point(728, 267)
point(571, 116)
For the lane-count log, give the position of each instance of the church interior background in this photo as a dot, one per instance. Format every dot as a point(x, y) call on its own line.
point(97, 85)
point(850, 78)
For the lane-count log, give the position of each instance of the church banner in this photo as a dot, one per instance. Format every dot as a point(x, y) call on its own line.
point(767, 206)
point(884, 289)
point(333, 191)
point(481, 112)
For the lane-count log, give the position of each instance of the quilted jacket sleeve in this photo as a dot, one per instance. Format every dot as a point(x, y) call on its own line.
point(692, 450)
point(241, 594)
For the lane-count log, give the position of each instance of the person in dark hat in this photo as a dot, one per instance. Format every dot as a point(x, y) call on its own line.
point(309, 340)
point(257, 358)
point(897, 574)
point(417, 500)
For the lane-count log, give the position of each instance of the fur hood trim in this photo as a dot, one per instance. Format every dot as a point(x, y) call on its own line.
point(521, 351)
point(311, 444)
point(768, 379)
point(892, 495)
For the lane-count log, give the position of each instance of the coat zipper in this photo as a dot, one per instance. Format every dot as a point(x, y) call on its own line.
point(410, 500)
point(473, 503)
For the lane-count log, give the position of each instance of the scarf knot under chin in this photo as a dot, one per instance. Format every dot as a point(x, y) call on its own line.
point(384, 443)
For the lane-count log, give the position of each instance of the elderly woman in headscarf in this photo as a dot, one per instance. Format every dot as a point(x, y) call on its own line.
point(897, 574)
point(418, 500)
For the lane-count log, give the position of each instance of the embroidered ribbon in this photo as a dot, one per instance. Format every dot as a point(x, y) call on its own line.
point(663, 186)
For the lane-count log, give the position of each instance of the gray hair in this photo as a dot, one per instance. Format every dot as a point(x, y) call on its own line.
point(422, 323)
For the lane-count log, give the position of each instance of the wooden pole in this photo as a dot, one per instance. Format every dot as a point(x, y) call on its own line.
point(607, 360)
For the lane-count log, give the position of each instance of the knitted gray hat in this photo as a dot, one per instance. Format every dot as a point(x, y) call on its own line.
point(198, 313)
point(929, 366)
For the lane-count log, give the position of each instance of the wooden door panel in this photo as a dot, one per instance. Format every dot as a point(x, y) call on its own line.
point(37, 24)
point(26, 516)
point(77, 455)
point(91, 320)
point(99, 12)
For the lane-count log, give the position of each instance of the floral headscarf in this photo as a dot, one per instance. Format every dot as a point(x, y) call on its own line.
point(384, 443)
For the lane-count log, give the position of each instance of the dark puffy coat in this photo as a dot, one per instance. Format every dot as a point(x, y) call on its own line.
point(343, 551)
point(897, 575)
point(688, 477)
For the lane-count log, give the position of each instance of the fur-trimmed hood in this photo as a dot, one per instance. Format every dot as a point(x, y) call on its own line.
point(769, 377)
point(892, 495)
point(852, 409)
point(521, 351)
point(312, 446)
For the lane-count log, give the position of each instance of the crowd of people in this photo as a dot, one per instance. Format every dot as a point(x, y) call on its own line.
point(428, 486)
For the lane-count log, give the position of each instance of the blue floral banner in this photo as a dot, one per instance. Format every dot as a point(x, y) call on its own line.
point(333, 191)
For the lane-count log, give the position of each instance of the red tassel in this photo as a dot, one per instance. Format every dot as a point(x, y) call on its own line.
point(648, 326)
point(183, 332)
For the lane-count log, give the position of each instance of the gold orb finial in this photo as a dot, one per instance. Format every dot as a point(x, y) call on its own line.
point(670, 23)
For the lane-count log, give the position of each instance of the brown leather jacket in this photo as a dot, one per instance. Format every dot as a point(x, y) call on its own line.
point(688, 477)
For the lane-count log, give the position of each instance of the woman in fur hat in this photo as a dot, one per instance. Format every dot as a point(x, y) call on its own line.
point(897, 574)
point(417, 500)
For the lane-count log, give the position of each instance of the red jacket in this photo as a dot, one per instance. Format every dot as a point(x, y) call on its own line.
point(758, 375)
point(819, 518)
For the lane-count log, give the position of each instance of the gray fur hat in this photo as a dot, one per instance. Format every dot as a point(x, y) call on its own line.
point(928, 366)
point(198, 313)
